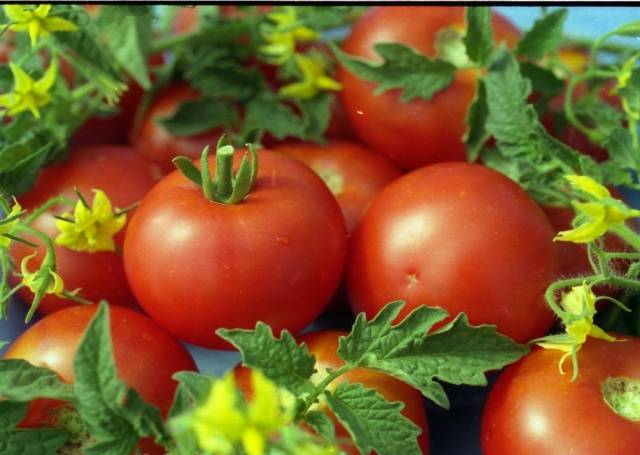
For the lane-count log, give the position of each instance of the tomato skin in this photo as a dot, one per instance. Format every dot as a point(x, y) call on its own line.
point(126, 177)
point(276, 257)
point(157, 144)
point(323, 345)
point(418, 132)
point(459, 236)
point(145, 355)
point(532, 409)
point(353, 173)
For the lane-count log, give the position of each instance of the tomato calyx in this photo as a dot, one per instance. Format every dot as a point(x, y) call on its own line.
point(622, 395)
point(451, 48)
point(225, 187)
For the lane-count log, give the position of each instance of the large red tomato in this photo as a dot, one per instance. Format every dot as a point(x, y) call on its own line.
point(323, 345)
point(277, 256)
point(458, 236)
point(353, 173)
point(125, 177)
point(417, 132)
point(532, 409)
point(145, 355)
point(156, 143)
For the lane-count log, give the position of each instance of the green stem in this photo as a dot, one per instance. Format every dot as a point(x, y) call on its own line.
point(628, 235)
point(322, 385)
point(587, 43)
point(550, 294)
point(35, 213)
point(224, 171)
point(624, 282)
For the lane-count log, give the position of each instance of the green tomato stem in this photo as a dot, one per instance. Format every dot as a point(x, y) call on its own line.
point(224, 171)
point(550, 294)
point(628, 235)
point(322, 385)
point(46, 206)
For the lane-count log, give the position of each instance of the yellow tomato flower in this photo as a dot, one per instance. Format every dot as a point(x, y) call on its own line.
point(314, 78)
point(282, 36)
point(224, 423)
point(28, 94)
point(580, 306)
point(597, 216)
point(33, 280)
point(7, 226)
point(92, 228)
point(36, 22)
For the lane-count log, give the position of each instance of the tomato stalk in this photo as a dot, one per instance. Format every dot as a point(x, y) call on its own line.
point(225, 187)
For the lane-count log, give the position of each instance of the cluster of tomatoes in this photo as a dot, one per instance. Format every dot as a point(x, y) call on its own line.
point(386, 210)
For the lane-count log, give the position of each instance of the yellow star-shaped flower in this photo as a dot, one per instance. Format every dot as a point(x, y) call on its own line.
point(224, 423)
point(9, 222)
point(92, 228)
point(36, 22)
point(28, 94)
point(34, 280)
point(580, 307)
point(597, 216)
point(314, 78)
point(283, 34)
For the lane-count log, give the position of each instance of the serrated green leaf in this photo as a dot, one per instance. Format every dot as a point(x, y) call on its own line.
point(44, 441)
point(374, 424)
point(129, 34)
point(117, 446)
point(476, 135)
point(266, 114)
point(21, 381)
point(316, 114)
point(402, 68)
point(407, 352)
point(193, 388)
point(622, 159)
point(195, 117)
point(115, 415)
point(543, 81)
point(282, 360)
point(478, 39)
point(322, 424)
point(227, 81)
point(545, 35)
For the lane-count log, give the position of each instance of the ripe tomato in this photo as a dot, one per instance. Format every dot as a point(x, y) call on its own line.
point(353, 173)
point(323, 345)
point(146, 357)
point(418, 132)
point(532, 409)
point(276, 257)
point(459, 236)
point(154, 142)
point(125, 177)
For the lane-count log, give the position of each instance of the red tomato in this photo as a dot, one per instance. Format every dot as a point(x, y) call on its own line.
point(532, 409)
point(157, 144)
point(125, 177)
point(146, 357)
point(323, 345)
point(417, 132)
point(353, 173)
point(276, 257)
point(458, 236)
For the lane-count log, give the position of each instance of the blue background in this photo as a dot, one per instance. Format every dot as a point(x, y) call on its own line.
point(454, 432)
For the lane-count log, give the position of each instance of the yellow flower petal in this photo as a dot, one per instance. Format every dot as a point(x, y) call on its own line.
point(597, 332)
point(16, 13)
point(44, 84)
point(253, 442)
point(42, 11)
point(58, 24)
point(22, 81)
point(588, 185)
point(584, 233)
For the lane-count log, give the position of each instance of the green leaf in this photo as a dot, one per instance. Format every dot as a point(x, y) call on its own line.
point(115, 415)
point(316, 114)
point(402, 68)
point(44, 441)
point(476, 135)
point(478, 39)
point(374, 424)
point(195, 117)
point(457, 353)
point(631, 92)
point(322, 424)
point(266, 114)
point(21, 381)
point(193, 388)
point(545, 35)
point(129, 33)
point(622, 159)
point(282, 360)
point(227, 81)
point(543, 81)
